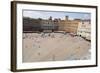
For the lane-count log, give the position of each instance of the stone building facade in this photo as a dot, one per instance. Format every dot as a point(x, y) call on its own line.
point(76, 26)
point(84, 29)
point(48, 25)
point(69, 26)
point(30, 24)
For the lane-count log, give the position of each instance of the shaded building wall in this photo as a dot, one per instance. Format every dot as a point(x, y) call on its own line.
point(30, 24)
point(61, 25)
point(48, 25)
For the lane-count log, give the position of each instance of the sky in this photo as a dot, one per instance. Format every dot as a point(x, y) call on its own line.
point(55, 14)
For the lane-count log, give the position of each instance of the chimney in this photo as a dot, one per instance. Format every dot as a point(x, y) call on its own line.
point(66, 17)
point(50, 18)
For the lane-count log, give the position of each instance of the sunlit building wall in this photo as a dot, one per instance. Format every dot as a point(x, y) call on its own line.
point(84, 29)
